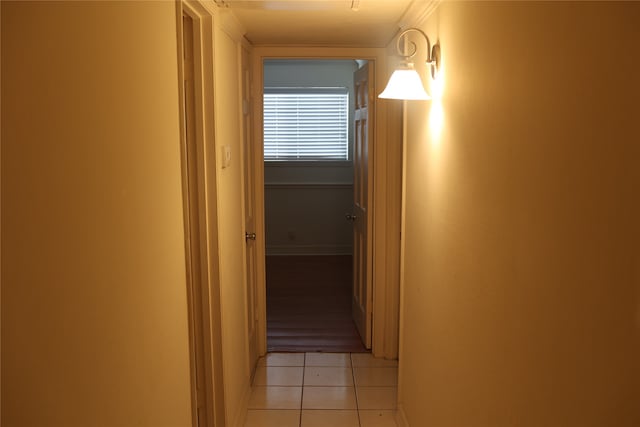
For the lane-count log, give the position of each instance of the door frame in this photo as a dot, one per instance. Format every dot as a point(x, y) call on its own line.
point(200, 220)
point(387, 192)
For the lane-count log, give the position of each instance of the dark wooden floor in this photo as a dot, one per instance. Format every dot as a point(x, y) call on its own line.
point(309, 304)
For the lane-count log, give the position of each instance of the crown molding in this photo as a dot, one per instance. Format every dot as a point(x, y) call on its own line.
point(417, 13)
point(230, 25)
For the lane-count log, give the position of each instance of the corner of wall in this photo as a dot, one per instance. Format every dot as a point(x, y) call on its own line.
point(230, 25)
point(401, 417)
point(238, 418)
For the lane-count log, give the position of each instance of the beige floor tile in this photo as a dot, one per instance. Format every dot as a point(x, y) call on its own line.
point(377, 419)
point(329, 398)
point(277, 375)
point(325, 376)
point(328, 359)
point(329, 418)
point(282, 359)
point(366, 360)
point(376, 397)
point(272, 418)
point(376, 377)
point(277, 398)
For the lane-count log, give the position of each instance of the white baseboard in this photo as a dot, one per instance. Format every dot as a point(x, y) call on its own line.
point(309, 250)
point(401, 417)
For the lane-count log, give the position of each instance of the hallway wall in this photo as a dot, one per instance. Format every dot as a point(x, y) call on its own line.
point(521, 299)
point(94, 310)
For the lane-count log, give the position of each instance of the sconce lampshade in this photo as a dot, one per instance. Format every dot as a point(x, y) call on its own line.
point(405, 83)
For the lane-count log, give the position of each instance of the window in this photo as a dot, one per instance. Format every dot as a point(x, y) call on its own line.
point(306, 124)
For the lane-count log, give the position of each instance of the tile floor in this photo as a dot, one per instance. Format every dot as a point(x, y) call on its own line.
point(323, 390)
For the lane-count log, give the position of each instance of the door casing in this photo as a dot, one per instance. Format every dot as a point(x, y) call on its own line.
point(200, 214)
point(387, 173)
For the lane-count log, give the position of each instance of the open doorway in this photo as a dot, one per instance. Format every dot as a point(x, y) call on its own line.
point(310, 130)
point(384, 156)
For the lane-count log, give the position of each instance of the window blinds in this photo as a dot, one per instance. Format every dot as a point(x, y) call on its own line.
point(306, 124)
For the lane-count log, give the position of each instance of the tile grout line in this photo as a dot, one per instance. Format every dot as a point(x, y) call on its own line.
point(304, 371)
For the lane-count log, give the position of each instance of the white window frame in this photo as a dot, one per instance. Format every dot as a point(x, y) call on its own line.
point(344, 127)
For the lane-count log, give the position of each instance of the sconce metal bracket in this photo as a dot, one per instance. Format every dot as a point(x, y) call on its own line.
point(433, 54)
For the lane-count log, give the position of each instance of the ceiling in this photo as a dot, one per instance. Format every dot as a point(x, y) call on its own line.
point(362, 23)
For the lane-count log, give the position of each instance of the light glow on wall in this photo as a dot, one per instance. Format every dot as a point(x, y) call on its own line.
point(436, 122)
point(436, 112)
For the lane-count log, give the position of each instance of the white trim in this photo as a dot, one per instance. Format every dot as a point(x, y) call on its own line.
point(207, 238)
point(417, 13)
point(230, 25)
point(211, 7)
point(309, 250)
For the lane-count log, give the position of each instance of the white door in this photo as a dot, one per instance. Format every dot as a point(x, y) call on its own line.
point(249, 211)
point(362, 254)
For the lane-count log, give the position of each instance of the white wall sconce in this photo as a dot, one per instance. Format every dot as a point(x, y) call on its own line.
point(405, 82)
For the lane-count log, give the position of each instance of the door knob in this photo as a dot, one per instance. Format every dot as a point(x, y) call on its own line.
point(350, 217)
point(249, 236)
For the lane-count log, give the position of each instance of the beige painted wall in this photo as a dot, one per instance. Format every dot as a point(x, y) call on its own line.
point(231, 226)
point(94, 295)
point(522, 287)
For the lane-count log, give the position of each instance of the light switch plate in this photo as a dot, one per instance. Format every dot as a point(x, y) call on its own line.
point(226, 156)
